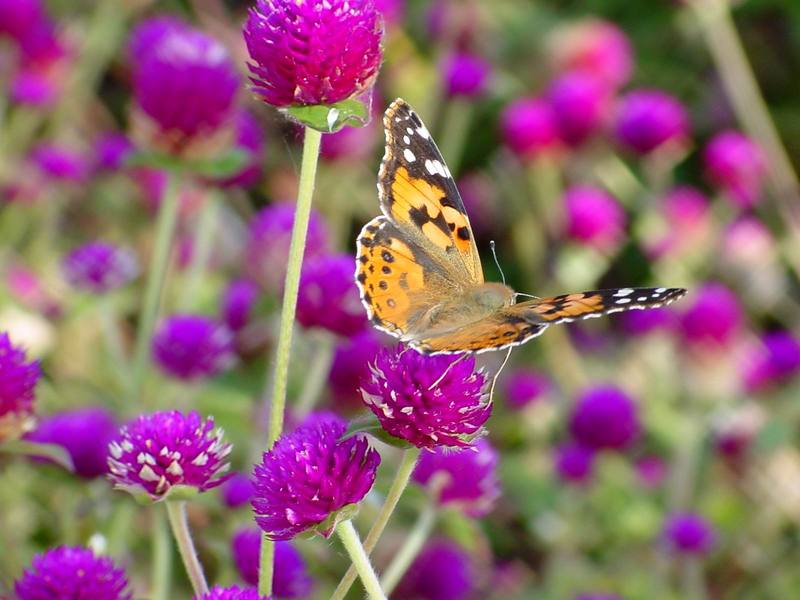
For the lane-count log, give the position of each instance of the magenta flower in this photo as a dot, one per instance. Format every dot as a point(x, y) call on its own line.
point(523, 387)
point(528, 127)
point(168, 453)
point(649, 119)
point(34, 87)
point(17, 390)
point(643, 322)
point(424, 578)
point(428, 401)
point(593, 217)
point(688, 218)
point(328, 296)
point(237, 490)
point(688, 533)
point(465, 478)
point(737, 165)
point(465, 75)
point(312, 52)
point(714, 318)
point(350, 366)
point(775, 360)
point(309, 476)
point(84, 433)
point(574, 462)
point(748, 243)
point(111, 150)
point(99, 268)
point(238, 302)
point(233, 592)
point(290, 575)
point(19, 17)
point(60, 163)
point(580, 104)
point(250, 139)
point(192, 347)
point(72, 572)
point(605, 417)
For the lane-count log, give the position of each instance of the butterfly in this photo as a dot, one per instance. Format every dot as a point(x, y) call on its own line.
point(419, 272)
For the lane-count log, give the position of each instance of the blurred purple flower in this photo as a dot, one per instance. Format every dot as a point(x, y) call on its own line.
point(84, 433)
point(233, 592)
point(651, 471)
point(111, 150)
point(465, 75)
point(18, 17)
point(34, 87)
point(42, 47)
point(574, 462)
point(688, 533)
point(351, 361)
point(605, 417)
point(593, 217)
point(648, 119)
point(580, 104)
point(290, 576)
point(17, 390)
point(312, 52)
point(714, 318)
point(424, 579)
point(237, 490)
point(148, 35)
point(642, 322)
point(72, 572)
point(525, 386)
point(328, 296)
point(392, 11)
point(192, 347)
point(528, 127)
point(402, 395)
point(98, 268)
point(60, 163)
point(737, 165)
point(308, 476)
point(748, 242)
point(250, 139)
point(687, 216)
point(238, 300)
point(776, 360)
point(164, 450)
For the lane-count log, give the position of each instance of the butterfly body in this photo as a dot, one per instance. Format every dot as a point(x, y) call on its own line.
point(419, 271)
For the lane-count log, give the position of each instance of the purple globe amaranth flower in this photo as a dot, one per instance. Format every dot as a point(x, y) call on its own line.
point(111, 150)
point(465, 75)
point(238, 301)
point(777, 359)
point(184, 83)
point(328, 296)
point(466, 478)
point(528, 127)
point(574, 462)
point(350, 366)
point(714, 318)
point(424, 579)
point(267, 249)
point(17, 390)
point(593, 217)
point(237, 490)
point(192, 347)
point(84, 433)
point(428, 401)
point(737, 165)
point(290, 575)
point(233, 592)
point(60, 163)
point(523, 387)
point(72, 572)
point(250, 139)
point(650, 119)
point(18, 17)
point(580, 104)
point(168, 453)
point(98, 267)
point(311, 52)
point(688, 533)
point(308, 478)
point(34, 87)
point(605, 417)
point(643, 322)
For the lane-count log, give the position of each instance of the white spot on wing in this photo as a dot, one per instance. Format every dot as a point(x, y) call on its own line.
point(406, 140)
point(423, 132)
point(409, 156)
point(623, 301)
point(623, 292)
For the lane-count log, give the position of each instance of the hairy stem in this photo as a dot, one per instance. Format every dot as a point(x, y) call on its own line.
point(349, 536)
point(176, 511)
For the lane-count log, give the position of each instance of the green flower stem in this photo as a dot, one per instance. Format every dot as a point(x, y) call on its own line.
point(165, 230)
point(349, 536)
point(399, 484)
point(302, 212)
point(176, 512)
point(113, 341)
point(317, 374)
point(201, 251)
point(693, 586)
point(410, 549)
point(162, 558)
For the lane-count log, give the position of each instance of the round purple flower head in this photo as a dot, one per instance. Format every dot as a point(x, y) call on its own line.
point(33, 87)
point(290, 576)
point(714, 318)
point(233, 592)
point(528, 127)
point(85, 433)
point(18, 17)
point(250, 139)
point(776, 360)
point(328, 296)
point(307, 52)
point(98, 267)
point(428, 401)
point(648, 119)
point(522, 387)
point(465, 477)
point(237, 490)
point(350, 366)
point(168, 452)
point(605, 417)
point(574, 462)
point(238, 301)
point(593, 217)
point(192, 347)
point(17, 382)
point(688, 533)
point(72, 572)
point(580, 104)
point(424, 580)
point(111, 150)
point(642, 322)
point(60, 162)
point(737, 165)
point(466, 75)
point(308, 476)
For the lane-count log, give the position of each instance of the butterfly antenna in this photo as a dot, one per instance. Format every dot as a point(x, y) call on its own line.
point(497, 262)
point(517, 294)
point(497, 374)
point(446, 371)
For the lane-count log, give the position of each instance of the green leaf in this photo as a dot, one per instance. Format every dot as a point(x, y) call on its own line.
point(52, 452)
point(330, 118)
point(369, 425)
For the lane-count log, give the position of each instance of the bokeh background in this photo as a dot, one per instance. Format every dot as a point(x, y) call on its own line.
point(650, 455)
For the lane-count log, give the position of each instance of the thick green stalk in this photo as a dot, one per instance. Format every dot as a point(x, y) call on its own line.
point(410, 549)
point(162, 558)
point(266, 562)
point(176, 512)
point(349, 536)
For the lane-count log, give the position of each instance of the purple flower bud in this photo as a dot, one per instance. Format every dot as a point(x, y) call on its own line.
point(17, 390)
point(642, 322)
point(328, 296)
point(776, 360)
point(308, 476)
point(237, 490)
point(18, 17)
point(522, 387)
point(580, 104)
point(249, 138)
point(60, 163)
point(424, 578)
point(605, 417)
point(466, 478)
point(111, 151)
point(41, 46)
point(350, 366)
point(528, 127)
point(574, 462)
point(714, 318)
point(688, 533)
point(649, 119)
point(737, 165)
point(465, 75)
point(72, 572)
point(428, 401)
point(290, 575)
point(651, 471)
point(233, 592)
point(238, 301)
point(98, 267)
point(34, 88)
point(191, 347)
point(313, 52)
point(148, 35)
point(84, 433)
point(593, 217)
point(168, 451)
